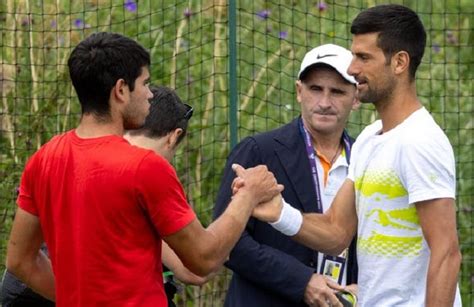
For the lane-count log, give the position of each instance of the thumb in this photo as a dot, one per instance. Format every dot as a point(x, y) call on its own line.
point(238, 169)
point(333, 285)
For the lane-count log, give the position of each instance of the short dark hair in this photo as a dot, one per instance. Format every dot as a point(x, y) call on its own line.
point(399, 29)
point(98, 62)
point(167, 113)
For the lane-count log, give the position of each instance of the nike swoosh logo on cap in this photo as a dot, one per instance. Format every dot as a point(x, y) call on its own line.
point(324, 56)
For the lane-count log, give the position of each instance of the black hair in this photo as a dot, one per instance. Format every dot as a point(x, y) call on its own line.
point(98, 62)
point(167, 113)
point(399, 29)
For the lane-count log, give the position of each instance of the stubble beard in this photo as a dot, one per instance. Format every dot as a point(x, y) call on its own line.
point(133, 120)
point(377, 95)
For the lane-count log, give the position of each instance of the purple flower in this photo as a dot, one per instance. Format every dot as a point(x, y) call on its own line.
point(53, 24)
point(187, 12)
point(282, 34)
point(263, 14)
point(130, 5)
point(26, 21)
point(451, 38)
point(436, 48)
point(322, 6)
point(79, 23)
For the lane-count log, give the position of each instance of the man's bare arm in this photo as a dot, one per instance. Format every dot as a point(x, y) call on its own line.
point(329, 233)
point(203, 251)
point(25, 260)
point(438, 222)
point(172, 262)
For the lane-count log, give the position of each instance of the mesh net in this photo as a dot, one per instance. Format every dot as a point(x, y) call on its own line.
point(190, 45)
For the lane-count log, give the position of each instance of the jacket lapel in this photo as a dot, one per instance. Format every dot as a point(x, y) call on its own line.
point(290, 149)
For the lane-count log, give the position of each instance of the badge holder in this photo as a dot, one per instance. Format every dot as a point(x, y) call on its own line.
point(333, 267)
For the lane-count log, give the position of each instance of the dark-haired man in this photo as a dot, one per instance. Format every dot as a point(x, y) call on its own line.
point(103, 206)
point(164, 129)
point(399, 195)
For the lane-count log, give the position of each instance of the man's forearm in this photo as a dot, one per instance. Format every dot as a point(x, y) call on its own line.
point(224, 232)
point(319, 233)
point(442, 278)
point(25, 260)
point(329, 233)
point(38, 275)
point(202, 250)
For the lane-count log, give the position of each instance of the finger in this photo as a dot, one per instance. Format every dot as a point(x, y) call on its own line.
point(333, 300)
point(333, 285)
point(237, 184)
point(238, 169)
point(320, 302)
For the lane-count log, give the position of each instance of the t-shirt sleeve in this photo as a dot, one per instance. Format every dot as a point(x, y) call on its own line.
point(25, 196)
point(353, 160)
point(428, 168)
point(162, 195)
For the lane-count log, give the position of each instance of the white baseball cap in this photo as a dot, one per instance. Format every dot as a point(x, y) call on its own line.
point(335, 56)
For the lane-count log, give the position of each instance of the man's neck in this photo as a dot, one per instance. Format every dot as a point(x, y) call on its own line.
point(394, 110)
point(325, 143)
point(92, 127)
point(158, 145)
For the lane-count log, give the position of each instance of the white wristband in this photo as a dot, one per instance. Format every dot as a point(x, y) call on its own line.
point(290, 220)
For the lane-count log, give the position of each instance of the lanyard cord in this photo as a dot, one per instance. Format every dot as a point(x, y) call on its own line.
point(312, 160)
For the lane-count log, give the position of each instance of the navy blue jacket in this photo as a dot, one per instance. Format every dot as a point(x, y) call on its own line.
point(271, 269)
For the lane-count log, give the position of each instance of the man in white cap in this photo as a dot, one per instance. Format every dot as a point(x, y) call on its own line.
point(309, 156)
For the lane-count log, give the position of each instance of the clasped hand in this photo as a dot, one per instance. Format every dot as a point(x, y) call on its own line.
point(270, 205)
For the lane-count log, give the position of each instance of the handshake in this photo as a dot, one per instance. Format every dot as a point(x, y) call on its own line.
point(263, 190)
point(269, 206)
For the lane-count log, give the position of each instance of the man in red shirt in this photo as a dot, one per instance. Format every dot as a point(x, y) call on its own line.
point(103, 206)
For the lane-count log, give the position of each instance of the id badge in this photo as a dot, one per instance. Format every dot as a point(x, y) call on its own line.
point(333, 267)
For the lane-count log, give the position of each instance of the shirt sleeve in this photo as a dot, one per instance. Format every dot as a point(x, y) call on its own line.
point(428, 168)
point(25, 195)
point(162, 195)
point(353, 161)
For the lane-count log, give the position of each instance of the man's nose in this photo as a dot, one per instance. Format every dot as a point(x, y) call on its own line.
point(353, 70)
point(325, 100)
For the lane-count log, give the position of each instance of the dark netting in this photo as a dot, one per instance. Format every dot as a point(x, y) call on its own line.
point(190, 47)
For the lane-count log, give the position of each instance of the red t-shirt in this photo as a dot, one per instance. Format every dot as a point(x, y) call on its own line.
point(104, 206)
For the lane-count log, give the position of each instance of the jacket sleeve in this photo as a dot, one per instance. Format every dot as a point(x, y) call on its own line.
point(263, 265)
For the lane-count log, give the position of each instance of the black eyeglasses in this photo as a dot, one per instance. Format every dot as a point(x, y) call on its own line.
point(189, 112)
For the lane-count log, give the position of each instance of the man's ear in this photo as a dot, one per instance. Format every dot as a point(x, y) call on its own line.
point(299, 85)
point(173, 137)
point(400, 62)
point(119, 91)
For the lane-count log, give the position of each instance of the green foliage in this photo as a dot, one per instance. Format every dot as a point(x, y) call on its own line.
point(188, 42)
